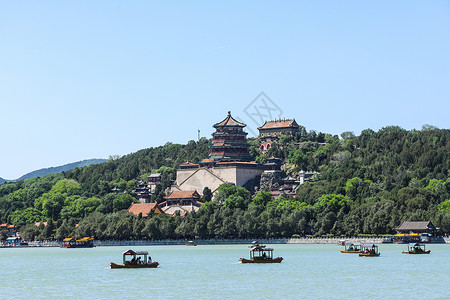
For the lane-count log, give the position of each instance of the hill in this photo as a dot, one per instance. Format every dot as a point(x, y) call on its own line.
point(59, 169)
point(368, 184)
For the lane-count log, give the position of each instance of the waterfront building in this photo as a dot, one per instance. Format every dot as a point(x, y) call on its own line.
point(416, 227)
point(10, 229)
point(272, 130)
point(144, 208)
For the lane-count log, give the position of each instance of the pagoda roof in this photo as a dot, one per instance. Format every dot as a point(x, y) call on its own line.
point(416, 226)
point(230, 144)
point(144, 208)
point(229, 121)
point(188, 163)
point(277, 124)
point(183, 195)
point(155, 175)
point(206, 160)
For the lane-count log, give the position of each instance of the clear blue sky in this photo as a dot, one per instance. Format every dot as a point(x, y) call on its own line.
point(90, 79)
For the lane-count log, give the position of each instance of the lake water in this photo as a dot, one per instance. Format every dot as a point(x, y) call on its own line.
point(213, 272)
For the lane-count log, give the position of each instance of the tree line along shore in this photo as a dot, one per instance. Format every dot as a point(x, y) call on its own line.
point(368, 184)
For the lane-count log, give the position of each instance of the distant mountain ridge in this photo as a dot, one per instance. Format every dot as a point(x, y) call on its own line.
point(59, 169)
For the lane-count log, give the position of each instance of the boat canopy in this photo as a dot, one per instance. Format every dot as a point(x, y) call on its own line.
point(368, 245)
point(68, 239)
point(413, 234)
point(261, 249)
point(131, 252)
point(399, 234)
point(414, 244)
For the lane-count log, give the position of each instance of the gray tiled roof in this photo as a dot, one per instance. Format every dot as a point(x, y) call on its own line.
point(415, 226)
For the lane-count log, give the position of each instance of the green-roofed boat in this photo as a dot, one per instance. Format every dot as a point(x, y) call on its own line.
point(259, 254)
point(416, 248)
point(369, 250)
point(135, 260)
point(352, 248)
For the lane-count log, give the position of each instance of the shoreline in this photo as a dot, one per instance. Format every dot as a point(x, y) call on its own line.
point(305, 240)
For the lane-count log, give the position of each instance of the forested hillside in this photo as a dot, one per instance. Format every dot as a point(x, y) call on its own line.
point(368, 185)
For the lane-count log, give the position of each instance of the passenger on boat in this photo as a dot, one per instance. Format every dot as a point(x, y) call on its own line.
point(149, 260)
point(139, 261)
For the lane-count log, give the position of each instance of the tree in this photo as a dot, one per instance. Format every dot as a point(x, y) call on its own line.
point(261, 199)
point(26, 216)
point(444, 206)
point(207, 195)
point(298, 158)
point(123, 201)
point(346, 135)
point(3, 235)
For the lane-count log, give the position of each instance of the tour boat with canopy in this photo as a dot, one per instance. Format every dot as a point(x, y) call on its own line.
point(135, 260)
point(416, 248)
point(260, 254)
point(369, 250)
point(352, 248)
point(86, 242)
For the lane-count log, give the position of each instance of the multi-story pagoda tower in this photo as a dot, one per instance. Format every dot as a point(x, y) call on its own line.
point(229, 141)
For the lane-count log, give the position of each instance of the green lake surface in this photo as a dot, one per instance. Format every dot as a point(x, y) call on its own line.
point(213, 272)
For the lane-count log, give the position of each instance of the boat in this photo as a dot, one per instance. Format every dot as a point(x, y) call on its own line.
point(135, 260)
point(369, 250)
point(256, 244)
point(191, 243)
point(416, 248)
point(352, 248)
point(341, 243)
point(401, 238)
point(425, 237)
point(260, 254)
point(388, 239)
point(86, 242)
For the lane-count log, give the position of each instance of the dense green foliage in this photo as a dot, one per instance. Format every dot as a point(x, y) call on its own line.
point(368, 184)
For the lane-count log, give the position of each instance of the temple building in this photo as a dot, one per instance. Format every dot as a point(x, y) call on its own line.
point(229, 141)
point(271, 131)
point(182, 202)
point(229, 161)
point(145, 209)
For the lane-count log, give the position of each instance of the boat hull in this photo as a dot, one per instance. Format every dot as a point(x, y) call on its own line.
point(424, 252)
point(260, 261)
point(354, 252)
point(129, 266)
point(369, 254)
